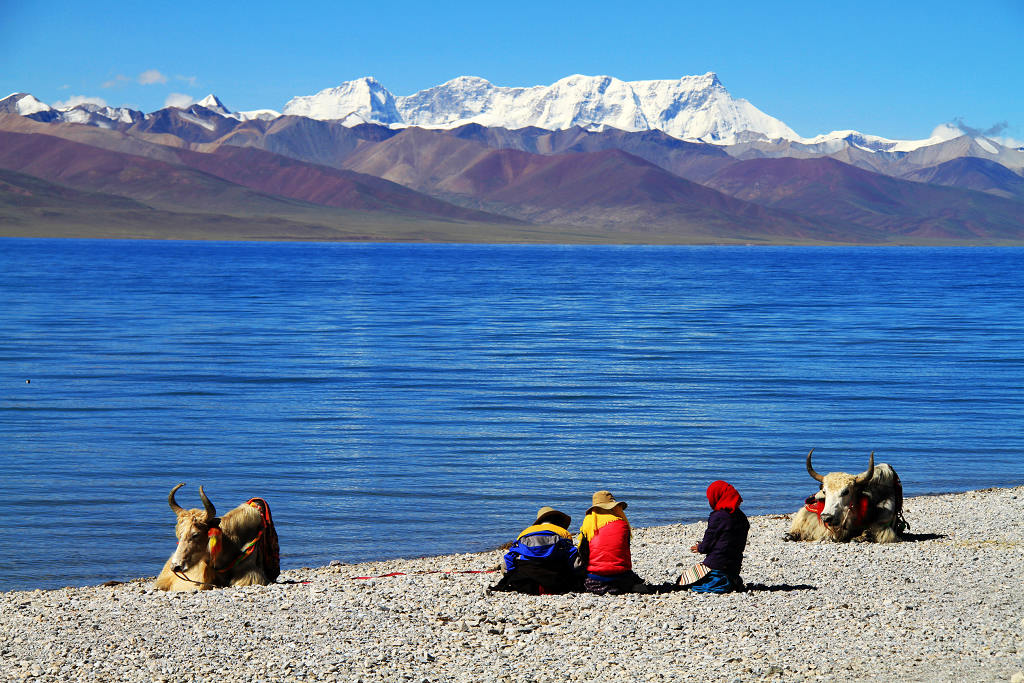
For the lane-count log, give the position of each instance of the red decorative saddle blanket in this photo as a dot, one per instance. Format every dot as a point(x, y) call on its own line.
point(267, 539)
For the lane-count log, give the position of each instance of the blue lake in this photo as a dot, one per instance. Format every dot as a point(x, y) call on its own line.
point(405, 400)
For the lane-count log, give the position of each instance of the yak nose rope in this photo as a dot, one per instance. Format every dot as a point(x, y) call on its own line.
point(181, 575)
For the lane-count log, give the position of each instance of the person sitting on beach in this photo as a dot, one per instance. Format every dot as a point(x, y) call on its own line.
point(543, 559)
point(724, 542)
point(604, 547)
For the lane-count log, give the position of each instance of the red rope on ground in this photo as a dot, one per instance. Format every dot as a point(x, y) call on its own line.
point(431, 571)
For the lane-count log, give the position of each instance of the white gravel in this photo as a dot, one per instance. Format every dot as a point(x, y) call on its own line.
point(946, 605)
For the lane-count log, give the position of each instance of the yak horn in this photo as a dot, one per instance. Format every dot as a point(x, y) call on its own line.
point(810, 470)
point(211, 511)
point(173, 503)
point(866, 476)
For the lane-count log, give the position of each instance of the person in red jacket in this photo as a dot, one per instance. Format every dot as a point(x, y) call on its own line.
point(604, 548)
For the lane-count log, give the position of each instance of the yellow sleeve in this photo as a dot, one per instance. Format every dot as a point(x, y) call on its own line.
point(588, 528)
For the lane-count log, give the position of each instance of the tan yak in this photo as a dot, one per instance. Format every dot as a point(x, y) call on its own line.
point(863, 507)
point(238, 549)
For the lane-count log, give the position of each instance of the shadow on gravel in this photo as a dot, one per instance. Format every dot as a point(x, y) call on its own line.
point(914, 538)
point(786, 587)
point(750, 587)
point(659, 588)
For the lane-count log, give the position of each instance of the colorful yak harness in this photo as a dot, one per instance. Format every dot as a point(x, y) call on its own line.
point(265, 540)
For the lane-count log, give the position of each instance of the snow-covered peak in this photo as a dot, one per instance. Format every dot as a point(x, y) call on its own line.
point(462, 98)
point(838, 139)
point(23, 104)
point(75, 110)
point(692, 107)
point(213, 103)
point(584, 101)
point(88, 112)
point(217, 106)
point(831, 142)
point(588, 102)
point(365, 97)
point(30, 105)
point(260, 114)
point(700, 108)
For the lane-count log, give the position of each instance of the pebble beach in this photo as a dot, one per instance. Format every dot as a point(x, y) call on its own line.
point(946, 604)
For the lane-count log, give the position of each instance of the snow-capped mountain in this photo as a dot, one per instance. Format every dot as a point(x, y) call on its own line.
point(361, 101)
point(23, 104)
point(691, 108)
point(830, 143)
point(85, 112)
point(213, 103)
point(103, 116)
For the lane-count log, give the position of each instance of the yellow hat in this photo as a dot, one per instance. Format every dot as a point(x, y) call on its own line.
point(606, 501)
point(553, 516)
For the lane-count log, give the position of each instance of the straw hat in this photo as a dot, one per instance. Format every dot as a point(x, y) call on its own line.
point(606, 501)
point(556, 517)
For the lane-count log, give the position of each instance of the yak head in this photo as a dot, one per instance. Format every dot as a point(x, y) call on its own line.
point(195, 542)
point(842, 495)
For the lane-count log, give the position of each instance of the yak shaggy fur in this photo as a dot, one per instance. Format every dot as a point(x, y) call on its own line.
point(192, 557)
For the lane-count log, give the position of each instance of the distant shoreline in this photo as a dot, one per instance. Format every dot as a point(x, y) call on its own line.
point(548, 241)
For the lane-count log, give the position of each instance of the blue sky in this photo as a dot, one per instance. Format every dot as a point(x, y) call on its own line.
point(895, 68)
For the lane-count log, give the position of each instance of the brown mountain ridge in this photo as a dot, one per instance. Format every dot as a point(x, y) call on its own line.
point(896, 209)
point(480, 184)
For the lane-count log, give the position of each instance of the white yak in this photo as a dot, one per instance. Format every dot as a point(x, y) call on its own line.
point(863, 507)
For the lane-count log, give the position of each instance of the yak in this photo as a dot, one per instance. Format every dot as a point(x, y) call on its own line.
point(863, 507)
point(237, 549)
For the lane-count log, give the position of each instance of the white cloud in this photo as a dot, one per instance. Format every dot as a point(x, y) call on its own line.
point(946, 131)
point(119, 79)
point(151, 77)
point(191, 80)
point(76, 100)
point(179, 100)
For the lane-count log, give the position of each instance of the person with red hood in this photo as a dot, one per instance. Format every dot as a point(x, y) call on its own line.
point(723, 544)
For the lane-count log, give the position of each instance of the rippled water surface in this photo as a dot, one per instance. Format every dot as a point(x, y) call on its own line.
point(402, 400)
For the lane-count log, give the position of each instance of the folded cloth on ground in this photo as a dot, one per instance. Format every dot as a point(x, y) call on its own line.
point(693, 574)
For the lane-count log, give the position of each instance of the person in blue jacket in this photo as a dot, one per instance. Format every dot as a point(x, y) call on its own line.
point(543, 558)
point(723, 544)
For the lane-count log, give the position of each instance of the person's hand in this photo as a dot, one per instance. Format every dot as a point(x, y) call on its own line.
point(693, 548)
